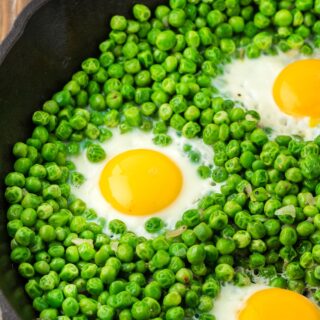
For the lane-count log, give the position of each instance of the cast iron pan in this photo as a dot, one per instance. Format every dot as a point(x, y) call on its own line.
point(47, 44)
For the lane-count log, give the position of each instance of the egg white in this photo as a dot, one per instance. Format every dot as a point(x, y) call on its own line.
point(250, 81)
point(232, 299)
point(193, 189)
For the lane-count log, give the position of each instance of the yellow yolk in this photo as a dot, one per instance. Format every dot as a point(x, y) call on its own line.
point(279, 304)
point(140, 182)
point(297, 90)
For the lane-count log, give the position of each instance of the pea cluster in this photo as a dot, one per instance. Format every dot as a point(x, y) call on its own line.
point(155, 71)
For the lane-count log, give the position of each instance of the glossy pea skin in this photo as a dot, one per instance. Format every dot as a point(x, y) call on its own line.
point(175, 313)
point(224, 272)
point(140, 310)
point(154, 73)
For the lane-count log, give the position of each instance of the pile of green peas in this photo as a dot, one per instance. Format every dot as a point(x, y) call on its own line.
point(154, 72)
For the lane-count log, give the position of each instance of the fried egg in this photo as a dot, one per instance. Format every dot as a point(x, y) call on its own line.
point(283, 89)
point(260, 302)
point(139, 179)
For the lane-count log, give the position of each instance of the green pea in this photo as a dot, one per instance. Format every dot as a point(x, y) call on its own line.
point(154, 225)
point(316, 253)
point(153, 290)
point(94, 286)
point(26, 270)
point(88, 306)
point(231, 208)
point(164, 277)
point(214, 18)
point(225, 246)
point(49, 313)
point(218, 220)
point(106, 312)
point(175, 313)
point(178, 250)
point(69, 272)
point(196, 254)
point(166, 40)
point(210, 133)
point(191, 217)
point(256, 229)
point(309, 167)
point(256, 260)
point(184, 276)
point(55, 298)
point(203, 231)
point(141, 12)
point(160, 243)
point(272, 227)
point(140, 310)
point(70, 306)
point(294, 271)
point(242, 238)
point(172, 299)
point(288, 236)
point(305, 229)
point(224, 272)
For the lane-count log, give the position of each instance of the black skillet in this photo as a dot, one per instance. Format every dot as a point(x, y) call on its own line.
point(47, 44)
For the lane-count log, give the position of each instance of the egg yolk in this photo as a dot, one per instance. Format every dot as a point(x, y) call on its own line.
point(140, 182)
point(279, 304)
point(296, 90)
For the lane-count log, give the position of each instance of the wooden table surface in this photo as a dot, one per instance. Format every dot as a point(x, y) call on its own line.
point(9, 10)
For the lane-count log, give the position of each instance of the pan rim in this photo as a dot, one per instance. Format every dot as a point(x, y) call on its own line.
point(19, 26)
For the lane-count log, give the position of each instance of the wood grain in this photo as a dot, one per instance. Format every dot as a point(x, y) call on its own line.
point(9, 10)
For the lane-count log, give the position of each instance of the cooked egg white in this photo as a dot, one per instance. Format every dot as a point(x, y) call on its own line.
point(169, 203)
point(232, 299)
point(287, 98)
